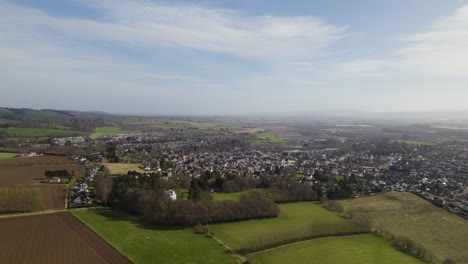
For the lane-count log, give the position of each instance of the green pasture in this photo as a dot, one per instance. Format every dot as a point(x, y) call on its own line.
point(295, 220)
point(144, 245)
point(355, 249)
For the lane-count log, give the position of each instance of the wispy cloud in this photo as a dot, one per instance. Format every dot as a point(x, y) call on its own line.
point(442, 50)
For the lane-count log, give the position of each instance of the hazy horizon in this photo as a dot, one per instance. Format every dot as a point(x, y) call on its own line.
point(234, 57)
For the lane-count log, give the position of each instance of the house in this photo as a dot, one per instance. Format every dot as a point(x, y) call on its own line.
point(171, 194)
point(82, 199)
point(55, 180)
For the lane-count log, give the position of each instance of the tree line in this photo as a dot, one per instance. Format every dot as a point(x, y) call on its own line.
point(58, 173)
point(146, 197)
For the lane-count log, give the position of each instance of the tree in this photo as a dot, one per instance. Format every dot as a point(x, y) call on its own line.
point(103, 187)
point(111, 150)
point(194, 191)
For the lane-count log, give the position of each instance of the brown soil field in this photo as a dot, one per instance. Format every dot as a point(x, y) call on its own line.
point(406, 214)
point(26, 171)
point(29, 171)
point(55, 238)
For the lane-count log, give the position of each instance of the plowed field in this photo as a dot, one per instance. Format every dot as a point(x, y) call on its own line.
point(54, 239)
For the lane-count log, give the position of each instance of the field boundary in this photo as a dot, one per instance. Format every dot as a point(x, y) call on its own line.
point(33, 213)
point(83, 224)
point(240, 259)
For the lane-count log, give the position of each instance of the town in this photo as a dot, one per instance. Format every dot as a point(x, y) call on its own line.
point(335, 167)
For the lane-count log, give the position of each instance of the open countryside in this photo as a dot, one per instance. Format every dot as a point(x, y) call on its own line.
point(146, 245)
point(407, 215)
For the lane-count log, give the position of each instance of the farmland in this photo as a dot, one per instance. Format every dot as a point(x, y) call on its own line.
point(4, 155)
point(35, 198)
point(267, 137)
point(296, 221)
point(26, 171)
point(123, 168)
point(355, 249)
point(417, 143)
point(20, 190)
point(53, 238)
point(405, 214)
point(143, 245)
point(39, 132)
point(105, 131)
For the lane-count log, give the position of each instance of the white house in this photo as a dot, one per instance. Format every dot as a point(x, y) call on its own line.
point(171, 194)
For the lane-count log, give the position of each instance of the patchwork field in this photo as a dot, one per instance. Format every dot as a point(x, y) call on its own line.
point(407, 215)
point(296, 221)
point(266, 138)
point(142, 245)
point(53, 238)
point(355, 249)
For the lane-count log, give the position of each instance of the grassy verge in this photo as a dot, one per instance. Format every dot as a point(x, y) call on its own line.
point(143, 245)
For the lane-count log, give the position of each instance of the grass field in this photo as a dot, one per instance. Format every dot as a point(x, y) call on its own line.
point(6, 121)
point(39, 132)
point(267, 138)
point(293, 221)
point(168, 126)
point(5, 155)
point(123, 168)
point(143, 245)
point(228, 196)
point(405, 214)
point(106, 131)
point(419, 143)
point(355, 249)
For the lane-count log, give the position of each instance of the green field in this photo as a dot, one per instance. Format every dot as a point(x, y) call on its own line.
point(168, 126)
point(105, 131)
point(405, 214)
point(5, 155)
point(142, 245)
point(355, 249)
point(39, 132)
point(296, 220)
point(234, 196)
point(419, 143)
point(266, 138)
point(6, 121)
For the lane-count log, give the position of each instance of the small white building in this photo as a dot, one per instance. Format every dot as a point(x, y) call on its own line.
point(171, 194)
point(55, 180)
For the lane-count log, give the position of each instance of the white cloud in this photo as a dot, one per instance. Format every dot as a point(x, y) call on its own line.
point(150, 25)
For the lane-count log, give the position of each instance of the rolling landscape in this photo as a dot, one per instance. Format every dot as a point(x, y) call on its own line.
point(304, 206)
point(237, 132)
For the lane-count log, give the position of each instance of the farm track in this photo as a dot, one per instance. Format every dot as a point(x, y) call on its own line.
point(53, 238)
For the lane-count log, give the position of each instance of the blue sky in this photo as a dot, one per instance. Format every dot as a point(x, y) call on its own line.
point(234, 57)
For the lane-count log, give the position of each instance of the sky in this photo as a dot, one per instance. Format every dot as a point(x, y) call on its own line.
point(234, 57)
